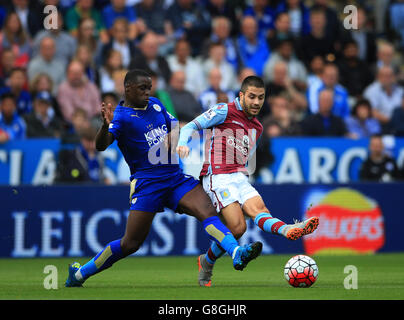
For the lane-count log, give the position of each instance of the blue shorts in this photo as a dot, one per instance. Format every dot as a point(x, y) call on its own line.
point(155, 194)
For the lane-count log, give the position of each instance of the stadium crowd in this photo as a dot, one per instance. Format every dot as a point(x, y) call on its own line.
point(322, 79)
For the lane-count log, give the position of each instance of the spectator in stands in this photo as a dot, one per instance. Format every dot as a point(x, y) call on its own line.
point(119, 77)
point(316, 43)
point(365, 38)
point(82, 164)
point(149, 59)
point(85, 56)
point(43, 82)
point(223, 9)
point(396, 124)
point(29, 14)
point(162, 95)
point(355, 74)
point(42, 122)
point(78, 92)
point(283, 85)
point(299, 16)
point(150, 17)
point(281, 30)
point(7, 63)
point(79, 122)
point(86, 34)
point(384, 95)
point(217, 59)
point(182, 60)
point(396, 13)
point(333, 24)
point(296, 70)
point(324, 123)
point(221, 33)
point(47, 62)
point(330, 80)
point(361, 124)
point(12, 126)
point(386, 57)
point(119, 9)
point(110, 97)
point(208, 97)
point(16, 85)
point(119, 41)
point(315, 71)
point(379, 167)
point(263, 13)
point(85, 9)
point(242, 74)
point(252, 46)
point(113, 62)
point(13, 36)
point(191, 20)
point(185, 105)
point(281, 114)
point(65, 44)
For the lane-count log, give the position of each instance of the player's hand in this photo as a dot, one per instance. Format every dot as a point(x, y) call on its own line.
point(183, 151)
point(107, 113)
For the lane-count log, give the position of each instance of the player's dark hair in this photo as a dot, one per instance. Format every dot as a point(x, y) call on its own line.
point(132, 76)
point(252, 81)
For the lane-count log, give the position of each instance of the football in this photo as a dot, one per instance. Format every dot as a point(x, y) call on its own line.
point(301, 271)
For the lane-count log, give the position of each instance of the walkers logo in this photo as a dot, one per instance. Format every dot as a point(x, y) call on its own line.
point(349, 223)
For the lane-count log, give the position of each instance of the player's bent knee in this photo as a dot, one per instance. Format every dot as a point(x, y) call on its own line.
point(238, 230)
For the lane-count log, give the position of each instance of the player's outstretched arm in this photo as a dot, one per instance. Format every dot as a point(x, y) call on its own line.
point(104, 138)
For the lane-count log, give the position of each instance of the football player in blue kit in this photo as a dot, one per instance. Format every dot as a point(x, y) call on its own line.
point(143, 129)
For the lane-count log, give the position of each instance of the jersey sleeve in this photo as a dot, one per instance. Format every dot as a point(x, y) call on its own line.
point(214, 116)
point(210, 118)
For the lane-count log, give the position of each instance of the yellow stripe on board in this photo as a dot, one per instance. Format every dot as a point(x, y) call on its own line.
point(103, 257)
point(215, 232)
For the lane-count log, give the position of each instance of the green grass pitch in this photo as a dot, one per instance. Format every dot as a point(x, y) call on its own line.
point(380, 277)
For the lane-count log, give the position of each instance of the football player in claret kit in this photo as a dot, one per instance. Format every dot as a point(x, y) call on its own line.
point(233, 136)
point(142, 127)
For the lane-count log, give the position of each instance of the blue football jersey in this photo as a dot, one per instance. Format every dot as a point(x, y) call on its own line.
point(140, 134)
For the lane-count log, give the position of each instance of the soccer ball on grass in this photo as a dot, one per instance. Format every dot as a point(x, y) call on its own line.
point(301, 271)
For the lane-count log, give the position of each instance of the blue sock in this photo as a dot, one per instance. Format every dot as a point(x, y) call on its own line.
point(103, 260)
point(219, 233)
point(214, 252)
point(268, 223)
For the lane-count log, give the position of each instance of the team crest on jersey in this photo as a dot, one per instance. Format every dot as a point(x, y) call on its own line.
point(156, 107)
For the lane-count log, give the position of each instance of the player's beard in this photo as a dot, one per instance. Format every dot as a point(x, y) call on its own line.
point(248, 108)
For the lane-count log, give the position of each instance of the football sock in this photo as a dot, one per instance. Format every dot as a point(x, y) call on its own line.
point(219, 233)
point(268, 223)
point(215, 252)
point(103, 260)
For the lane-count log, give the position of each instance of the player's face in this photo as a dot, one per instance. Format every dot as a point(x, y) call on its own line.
point(252, 100)
point(138, 93)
